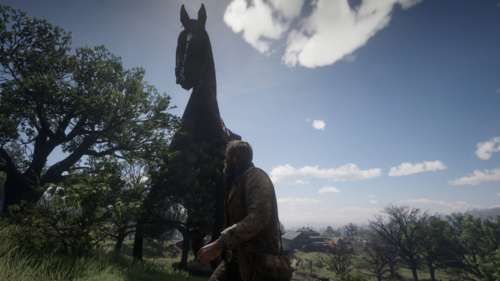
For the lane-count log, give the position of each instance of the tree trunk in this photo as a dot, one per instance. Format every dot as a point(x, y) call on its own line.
point(391, 268)
point(431, 272)
point(138, 240)
point(185, 248)
point(414, 272)
point(20, 188)
point(121, 237)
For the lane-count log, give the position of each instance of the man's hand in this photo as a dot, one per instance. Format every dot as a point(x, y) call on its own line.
point(209, 253)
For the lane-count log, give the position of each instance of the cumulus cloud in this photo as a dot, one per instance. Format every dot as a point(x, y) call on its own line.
point(407, 168)
point(478, 177)
point(485, 149)
point(328, 190)
point(298, 201)
point(332, 32)
point(261, 21)
point(373, 201)
point(289, 175)
point(370, 196)
point(319, 124)
point(452, 205)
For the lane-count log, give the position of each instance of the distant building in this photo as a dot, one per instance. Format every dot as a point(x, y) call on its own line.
point(302, 241)
point(307, 231)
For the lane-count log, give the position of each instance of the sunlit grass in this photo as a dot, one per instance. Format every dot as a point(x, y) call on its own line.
point(20, 263)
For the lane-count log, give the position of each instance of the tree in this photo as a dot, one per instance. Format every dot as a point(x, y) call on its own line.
point(329, 232)
point(86, 103)
point(437, 247)
point(406, 230)
point(351, 230)
point(491, 266)
point(476, 240)
point(79, 213)
point(338, 258)
point(378, 257)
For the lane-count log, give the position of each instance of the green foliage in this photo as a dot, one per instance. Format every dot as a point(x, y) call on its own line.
point(18, 262)
point(79, 213)
point(189, 180)
point(352, 277)
point(490, 267)
point(84, 102)
point(477, 241)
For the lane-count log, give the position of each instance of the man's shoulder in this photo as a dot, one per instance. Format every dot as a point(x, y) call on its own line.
point(255, 173)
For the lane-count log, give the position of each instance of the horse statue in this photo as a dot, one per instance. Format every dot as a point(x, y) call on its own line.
point(201, 121)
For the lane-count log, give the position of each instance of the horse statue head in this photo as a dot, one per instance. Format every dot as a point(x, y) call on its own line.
point(193, 57)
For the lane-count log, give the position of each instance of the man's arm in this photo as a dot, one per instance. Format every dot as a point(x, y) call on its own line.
point(258, 191)
point(209, 252)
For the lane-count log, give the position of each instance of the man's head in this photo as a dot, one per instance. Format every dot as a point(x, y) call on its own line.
point(237, 154)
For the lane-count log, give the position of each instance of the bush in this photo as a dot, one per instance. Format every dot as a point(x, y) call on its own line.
point(76, 215)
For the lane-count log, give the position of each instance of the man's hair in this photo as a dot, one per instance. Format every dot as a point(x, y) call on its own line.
point(242, 150)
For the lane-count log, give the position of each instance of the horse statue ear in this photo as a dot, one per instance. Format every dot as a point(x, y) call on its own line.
point(202, 16)
point(184, 17)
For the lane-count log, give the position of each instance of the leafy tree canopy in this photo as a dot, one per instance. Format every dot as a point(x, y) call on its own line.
point(84, 102)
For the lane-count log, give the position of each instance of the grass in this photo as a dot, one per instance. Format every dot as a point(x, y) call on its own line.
point(324, 272)
point(20, 263)
point(169, 256)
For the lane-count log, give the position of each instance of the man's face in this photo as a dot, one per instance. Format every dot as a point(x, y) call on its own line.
point(229, 165)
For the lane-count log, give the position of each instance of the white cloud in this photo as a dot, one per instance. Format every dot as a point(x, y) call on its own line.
point(308, 120)
point(452, 205)
point(298, 201)
point(324, 209)
point(292, 209)
point(478, 177)
point(319, 124)
point(407, 168)
point(332, 32)
point(370, 196)
point(360, 210)
point(289, 175)
point(485, 149)
point(328, 189)
point(261, 21)
point(499, 194)
point(349, 58)
point(373, 201)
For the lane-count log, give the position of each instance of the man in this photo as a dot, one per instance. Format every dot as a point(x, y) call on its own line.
point(251, 217)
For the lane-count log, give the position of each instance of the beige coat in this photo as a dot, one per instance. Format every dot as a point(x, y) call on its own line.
point(253, 224)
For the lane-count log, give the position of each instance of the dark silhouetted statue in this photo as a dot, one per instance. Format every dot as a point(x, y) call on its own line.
point(201, 121)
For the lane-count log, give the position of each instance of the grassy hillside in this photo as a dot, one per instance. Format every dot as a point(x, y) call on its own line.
point(20, 263)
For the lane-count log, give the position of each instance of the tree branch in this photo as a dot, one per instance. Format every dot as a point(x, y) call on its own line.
point(53, 174)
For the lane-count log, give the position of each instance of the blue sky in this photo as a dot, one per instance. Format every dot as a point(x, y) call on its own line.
point(349, 105)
